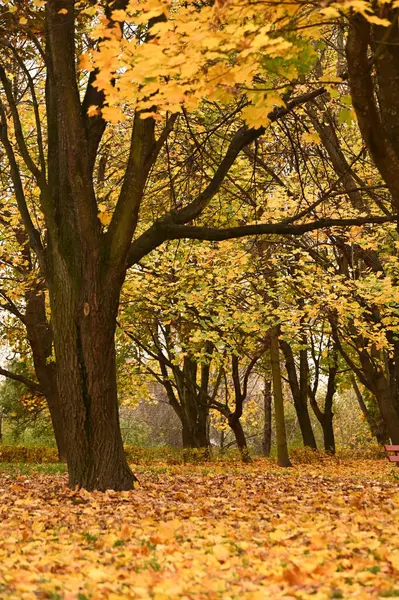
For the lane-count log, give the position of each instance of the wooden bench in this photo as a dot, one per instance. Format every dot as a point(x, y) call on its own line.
point(395, 456)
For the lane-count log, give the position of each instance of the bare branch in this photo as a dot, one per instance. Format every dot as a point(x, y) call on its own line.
point(34, 235)
point(33, 385)
point(33, 168)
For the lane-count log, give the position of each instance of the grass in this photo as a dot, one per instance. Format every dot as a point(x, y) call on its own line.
point(18, 469)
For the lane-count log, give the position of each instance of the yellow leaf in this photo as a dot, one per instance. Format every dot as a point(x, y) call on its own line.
point(221, 552)
point(97, 575)
point(113, 114)
point(85, 62)
point(118, 15)
point(394, 559)
point(311, 138)
point(105, 217)
point(93, 111)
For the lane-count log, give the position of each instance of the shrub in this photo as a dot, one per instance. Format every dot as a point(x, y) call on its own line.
point(28, 454)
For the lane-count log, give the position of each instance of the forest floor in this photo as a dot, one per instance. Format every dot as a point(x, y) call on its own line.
point(205, 532)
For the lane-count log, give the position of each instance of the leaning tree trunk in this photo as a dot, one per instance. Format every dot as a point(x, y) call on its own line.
point(239, 435)
point(376, 423)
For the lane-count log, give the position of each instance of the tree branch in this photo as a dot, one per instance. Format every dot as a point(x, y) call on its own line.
point(33, 385)
point(34, 235)
point(33, 168)
point(95, 126)
point(31, 85)
point(364, 103)
point(161, 232)
point(155, 235)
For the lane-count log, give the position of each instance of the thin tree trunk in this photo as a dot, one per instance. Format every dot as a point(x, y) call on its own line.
point(281, 436)
point(328, 434)
point(326, 417)
point(376, 423)
point(221, 443)
point(328, 429)
point(194, 412)
point(299, 393)
point(267, 424)
point(239, 434)
point(40, 338)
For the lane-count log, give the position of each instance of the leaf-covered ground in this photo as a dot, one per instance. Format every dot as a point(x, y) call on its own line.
point(205, 532)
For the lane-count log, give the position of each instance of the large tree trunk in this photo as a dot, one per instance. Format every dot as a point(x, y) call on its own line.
point(195, 434)
point(84, 266)
point(86, 371)
point(193, 407)
point(281, 436)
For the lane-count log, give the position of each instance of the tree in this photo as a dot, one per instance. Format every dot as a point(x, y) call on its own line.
point(197, 330)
